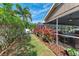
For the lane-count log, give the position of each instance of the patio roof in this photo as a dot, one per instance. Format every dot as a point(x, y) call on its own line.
point(69, 17)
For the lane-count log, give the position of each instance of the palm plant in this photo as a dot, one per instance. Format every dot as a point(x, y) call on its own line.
point(23, 12)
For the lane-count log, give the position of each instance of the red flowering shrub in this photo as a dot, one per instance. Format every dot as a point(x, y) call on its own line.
point(48, 33)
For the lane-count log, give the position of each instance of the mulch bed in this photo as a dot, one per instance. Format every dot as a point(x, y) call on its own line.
point(56, 49)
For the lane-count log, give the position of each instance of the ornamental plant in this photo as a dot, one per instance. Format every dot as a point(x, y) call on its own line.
point(45, 32)
point(72, 52)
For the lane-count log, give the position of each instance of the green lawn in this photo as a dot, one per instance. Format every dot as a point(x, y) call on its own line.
point(41, 49)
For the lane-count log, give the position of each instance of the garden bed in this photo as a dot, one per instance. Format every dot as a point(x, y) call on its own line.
point(56, 49)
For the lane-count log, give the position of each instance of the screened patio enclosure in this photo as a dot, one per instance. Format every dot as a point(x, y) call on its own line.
point(67, 29)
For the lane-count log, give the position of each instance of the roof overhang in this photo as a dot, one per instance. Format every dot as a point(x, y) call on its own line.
point(52, 10)
point(70, 17)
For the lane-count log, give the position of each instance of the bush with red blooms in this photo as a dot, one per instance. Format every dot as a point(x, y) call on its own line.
point(49, 35)
point(46, 32)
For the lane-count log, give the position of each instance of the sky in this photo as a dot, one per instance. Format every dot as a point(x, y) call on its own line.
point(38, 10)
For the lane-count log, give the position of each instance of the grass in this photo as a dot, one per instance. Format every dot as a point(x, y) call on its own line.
point(41, 49)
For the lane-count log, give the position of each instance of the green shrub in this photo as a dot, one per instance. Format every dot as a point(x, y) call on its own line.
point(72, 52)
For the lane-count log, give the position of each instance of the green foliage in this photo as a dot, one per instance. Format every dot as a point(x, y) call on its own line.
point(72, 52)
point(12, 27)
point(7, 18)
point(23, 12)
point(25, 48)
point(32, 26)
